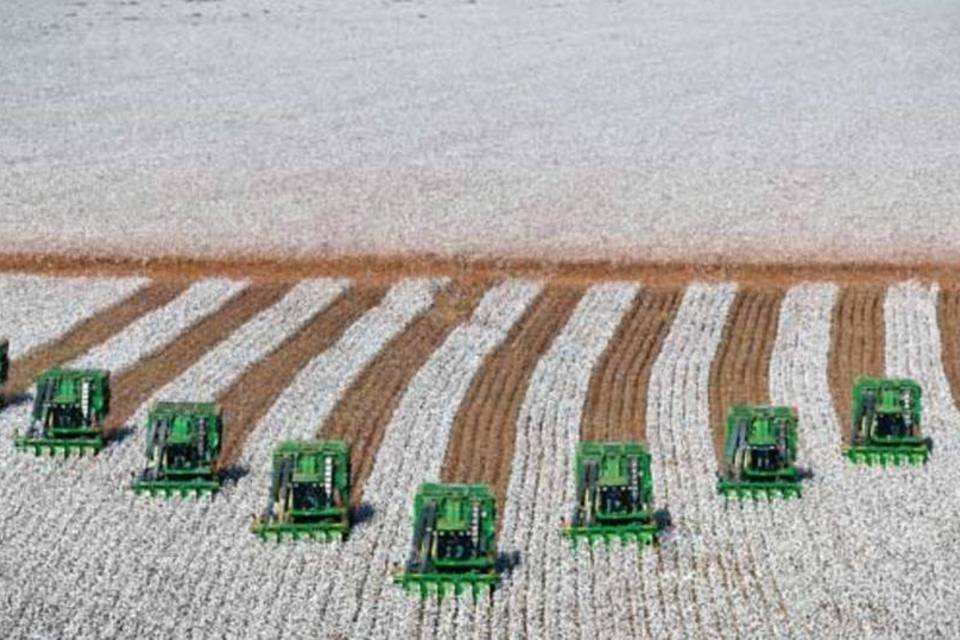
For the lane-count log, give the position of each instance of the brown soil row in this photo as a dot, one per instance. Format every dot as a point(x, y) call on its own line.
point(467, 268)
point(362, 415)
point(740, 372)
point(948, 310)
point(90, 332)
point(247, 400)
point(856, 345)
point(133, 387)
point(481, 444)
point(616, 408)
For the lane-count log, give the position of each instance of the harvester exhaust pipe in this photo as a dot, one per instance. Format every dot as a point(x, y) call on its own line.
point(475, 523)
point(85, 399)
point(328, 478)
point(201, 437)
point(907, 416)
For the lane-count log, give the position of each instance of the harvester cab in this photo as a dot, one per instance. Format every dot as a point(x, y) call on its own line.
point(614, 494)
point(454, 545)
point(68, 412)
point(309, 493)
point(183, 440)
point(886, 423)
point(760, 453)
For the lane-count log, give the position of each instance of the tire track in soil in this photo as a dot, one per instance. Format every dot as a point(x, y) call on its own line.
point(481, 443)
point(857, 343)
point(740, 374)
point(948, 317)
point(246, 401)
point(134, 386)
point(616, 406)
point(90, 332)
point(363, 413)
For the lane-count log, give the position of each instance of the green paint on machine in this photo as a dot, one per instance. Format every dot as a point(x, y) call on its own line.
point(68, 413)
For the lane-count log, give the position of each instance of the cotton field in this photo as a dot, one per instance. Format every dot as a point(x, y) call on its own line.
point(864, 552)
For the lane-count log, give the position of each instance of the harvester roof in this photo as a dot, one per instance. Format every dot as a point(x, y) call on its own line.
point(164, 409)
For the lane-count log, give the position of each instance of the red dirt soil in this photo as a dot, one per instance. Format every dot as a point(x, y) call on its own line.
point(740, 372)
point(249, 398)
point(134, 386)
point(616, 406)
point(484, 431)
point(856, 346)
point(948, 311)
point(362, 415)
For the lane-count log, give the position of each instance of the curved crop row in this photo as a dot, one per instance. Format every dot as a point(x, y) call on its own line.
point(364, 602)
point(267, 588)
point(539, 597)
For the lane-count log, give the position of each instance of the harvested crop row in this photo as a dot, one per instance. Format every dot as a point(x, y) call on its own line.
point(89, 332)
point(616, 406)
point(135, 385)
point(857, 344)
point(539, 597)
point(136, 584)
point(948, 316)
point(365, 411)
point(740, 372)
point(481, 444)
point(246, 400)
point(689, 595)
point(412, 451)
point(37, 309)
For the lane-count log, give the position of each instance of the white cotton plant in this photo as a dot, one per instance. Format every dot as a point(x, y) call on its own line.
point(684, 468)
point(540, 596)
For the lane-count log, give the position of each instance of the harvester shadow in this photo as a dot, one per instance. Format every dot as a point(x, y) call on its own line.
point(17, 399)
point(929, 443)
point(233, 474)
point(120, 434)
point(361, 513)
point(507, 561)
point(663, 519)
point(805, 473)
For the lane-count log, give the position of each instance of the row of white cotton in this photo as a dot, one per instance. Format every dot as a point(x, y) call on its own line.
point(80, 556)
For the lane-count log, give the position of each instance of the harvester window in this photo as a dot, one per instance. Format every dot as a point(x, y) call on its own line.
point(765, 459)
point(455, 546)
point(614, 499)
point(891, 425)
point(310, 496)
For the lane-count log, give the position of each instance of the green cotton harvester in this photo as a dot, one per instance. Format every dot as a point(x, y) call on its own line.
point(68, 412)
point(183, 441)
point(614, 494)
point(886, 423)
point(454, 541)
point(309, 493)
point(760, 453)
